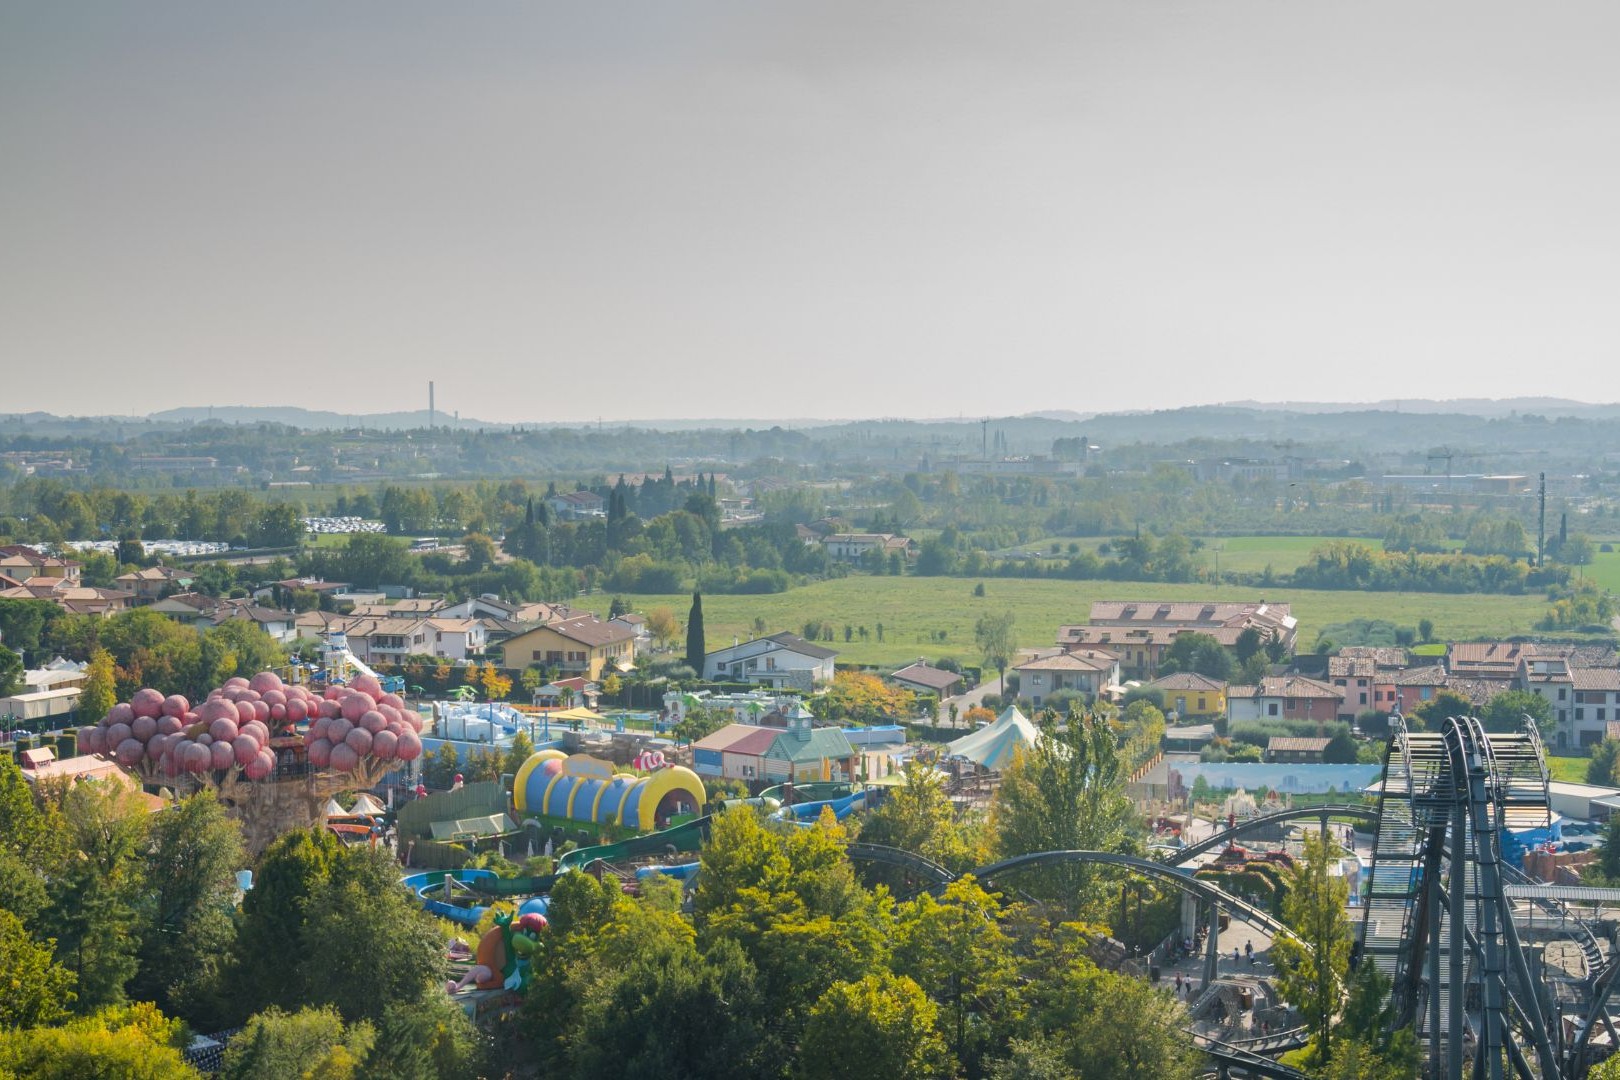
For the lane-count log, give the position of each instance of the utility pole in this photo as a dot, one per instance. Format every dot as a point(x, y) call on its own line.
point(984, 438)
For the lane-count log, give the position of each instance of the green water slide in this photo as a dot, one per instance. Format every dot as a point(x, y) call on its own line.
point(811, 791)
point(685, 837)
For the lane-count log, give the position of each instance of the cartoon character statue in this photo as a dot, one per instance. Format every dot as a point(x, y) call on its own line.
point(502, 959)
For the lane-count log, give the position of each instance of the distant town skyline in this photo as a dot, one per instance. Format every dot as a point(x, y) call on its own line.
point(832, 210)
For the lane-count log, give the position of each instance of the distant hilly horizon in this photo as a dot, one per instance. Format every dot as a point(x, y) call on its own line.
point(326, 420)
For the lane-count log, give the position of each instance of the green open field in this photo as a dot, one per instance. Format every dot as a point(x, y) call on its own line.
point(915, 611)
point(1605, 570)
point(1234, 554)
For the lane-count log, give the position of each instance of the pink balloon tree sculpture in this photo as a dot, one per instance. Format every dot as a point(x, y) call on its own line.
point(274, 752)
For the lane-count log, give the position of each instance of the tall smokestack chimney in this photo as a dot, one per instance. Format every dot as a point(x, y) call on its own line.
point(430, 404)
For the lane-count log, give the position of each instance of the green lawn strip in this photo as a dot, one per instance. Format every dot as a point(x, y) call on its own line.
point(934, 617)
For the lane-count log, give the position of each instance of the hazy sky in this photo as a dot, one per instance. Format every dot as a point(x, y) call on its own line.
point(818, 209)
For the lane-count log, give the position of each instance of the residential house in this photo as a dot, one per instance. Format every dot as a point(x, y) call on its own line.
point(638, 624)
point(1141, 632)
point(1357, 676)
point(576, 505)
point(418, 606)
point(864, 547)
point(21, 562)
point(386, 641)
point(152, 582)
point(1189, 696)
point(1493, 661)
point(1386, 663)
point(457, 639)
point(1086, 672)
point(1284, 697)
point(1550, 678)
point(190, 608)
point(782, 661)
point(583, 645)
point(280, 625)
point(1285, 748)
point(490, 606)
point(924, 678)
point(68, 594)
point(282, 591)
point(1416, 686)
point(1597, 701)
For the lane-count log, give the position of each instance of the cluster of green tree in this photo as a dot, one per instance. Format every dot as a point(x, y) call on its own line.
point(1352, 1037)
point(800, 971)
point(1480, 534)
point(1375, 632)
point(48, 510)
point(146, 648)
point(1341, 748)
point(103, 903)
point(1345, 564)
point(1505, 711)
point(1582, 607)
point(1142, 557)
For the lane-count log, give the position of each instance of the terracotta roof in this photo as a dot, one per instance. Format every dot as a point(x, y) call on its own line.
point(455, 626)
point(1477, 691)
point(1079, 660)
point(1352, 667)
point(154, 573)
point(1187, 680)
point(1189, 613)
point(1385, 656)
point(589, 630)
point(1596, 678)
point(1298, 686)
point(1429, 675)
point(1500, 657)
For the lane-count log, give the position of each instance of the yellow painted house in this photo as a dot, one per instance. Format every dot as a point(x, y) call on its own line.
point(1190, 695)
point(584, 645)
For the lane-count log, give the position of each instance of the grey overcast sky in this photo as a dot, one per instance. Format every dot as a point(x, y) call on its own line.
point(665, 209)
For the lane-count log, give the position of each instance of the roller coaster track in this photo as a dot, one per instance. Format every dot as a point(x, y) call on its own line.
point(1231, 1055)
point(1181, 879)
point(1437, 918)
point(1177, 856)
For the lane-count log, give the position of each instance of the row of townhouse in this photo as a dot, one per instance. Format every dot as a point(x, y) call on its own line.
point(1140, 633)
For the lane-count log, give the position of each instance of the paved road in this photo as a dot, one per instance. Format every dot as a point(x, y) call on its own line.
point(964, 702)
point(974, 697)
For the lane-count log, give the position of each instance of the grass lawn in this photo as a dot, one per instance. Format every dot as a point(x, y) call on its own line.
point(1605, 570)
point(1570, 769)
point(934, 617)
point(1252, 554)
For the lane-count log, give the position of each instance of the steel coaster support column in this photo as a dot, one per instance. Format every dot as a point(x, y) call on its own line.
point(1437, 978)
point(1212, 948)
point(1534, 1014)
point(1456, 977)
point(1494, 974)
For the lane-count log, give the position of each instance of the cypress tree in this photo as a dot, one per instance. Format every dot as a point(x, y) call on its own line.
point(694, 634)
